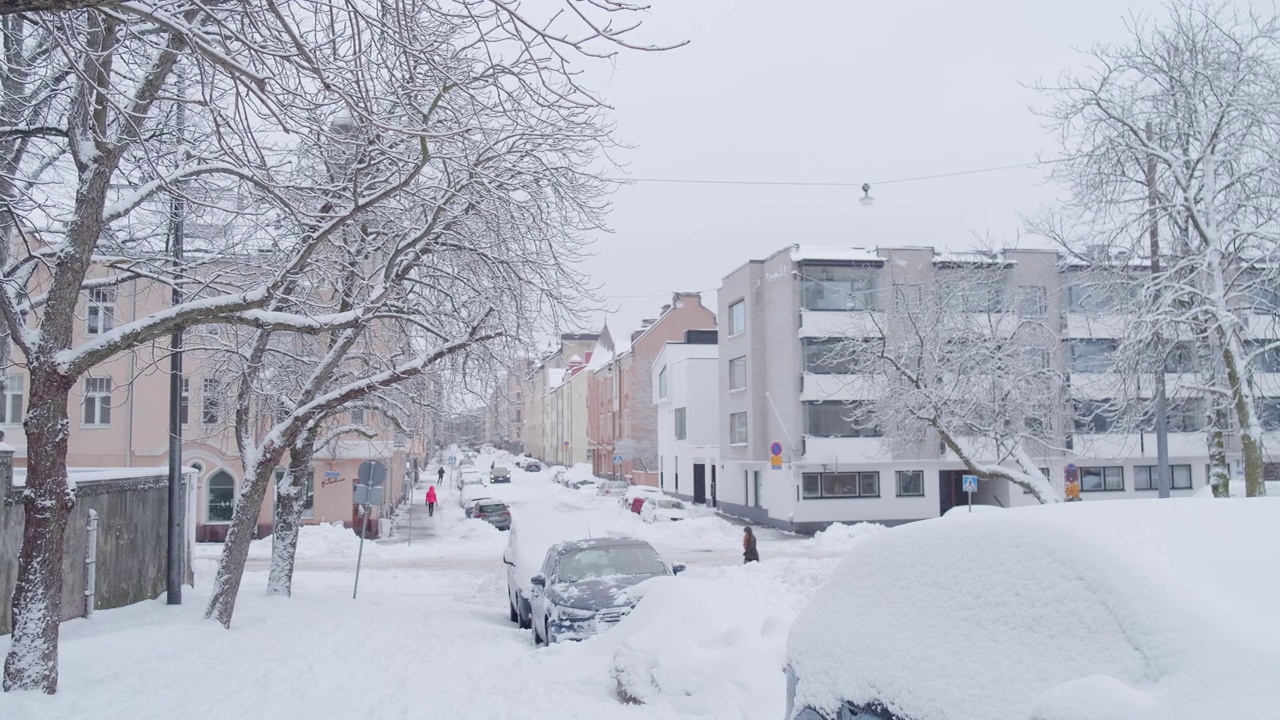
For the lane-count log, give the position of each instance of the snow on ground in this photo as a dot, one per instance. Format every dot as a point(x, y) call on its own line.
point(428, 635)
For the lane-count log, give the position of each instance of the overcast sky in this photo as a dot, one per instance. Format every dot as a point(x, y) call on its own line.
point(831, 91)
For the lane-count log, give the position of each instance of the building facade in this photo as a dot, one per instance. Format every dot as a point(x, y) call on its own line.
point(686, 396)
point(781, 314)
point(539, 409)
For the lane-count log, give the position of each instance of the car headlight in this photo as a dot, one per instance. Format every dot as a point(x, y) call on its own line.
point(560, 612)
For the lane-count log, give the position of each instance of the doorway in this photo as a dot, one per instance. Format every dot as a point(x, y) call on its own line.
point(700, 483)
point(950, 490)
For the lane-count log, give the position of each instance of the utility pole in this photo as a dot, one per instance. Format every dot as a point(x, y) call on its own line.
point(177, 504)
point(1161, 400)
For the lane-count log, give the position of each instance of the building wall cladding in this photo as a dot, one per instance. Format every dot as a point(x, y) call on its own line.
point(131, 545)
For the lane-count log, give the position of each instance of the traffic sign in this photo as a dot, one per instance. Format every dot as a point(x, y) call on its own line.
point(453, 459)
point(617, 459)
point(969, 483)
point(775, 462)
point(332, 473)
point(775, 448)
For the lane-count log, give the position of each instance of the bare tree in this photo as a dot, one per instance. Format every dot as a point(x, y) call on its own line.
point(472, 108)
point(1170, 151)
point(953, 362)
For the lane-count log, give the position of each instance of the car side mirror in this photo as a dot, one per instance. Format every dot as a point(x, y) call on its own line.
point(539, 580)
point(677, 568)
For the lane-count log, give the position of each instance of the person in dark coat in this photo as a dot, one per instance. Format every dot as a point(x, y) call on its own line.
point(440, 475)
point(749, 552)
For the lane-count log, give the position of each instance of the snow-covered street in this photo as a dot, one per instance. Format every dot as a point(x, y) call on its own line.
point(428, 635)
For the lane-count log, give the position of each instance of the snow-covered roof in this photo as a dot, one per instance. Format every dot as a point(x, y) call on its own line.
point(973, 259)
point(1126, 609)
point(604, 351)
point(79, 476)
point(801, 253)
point(555, 377)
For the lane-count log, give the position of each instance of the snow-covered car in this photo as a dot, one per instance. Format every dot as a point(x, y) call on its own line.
point(471, 493)
point(469, 476)
point(1140, 609)
point(499, 474)
point(663, 509)
point(533, 466)
point(560, 476)
point(583, 483)
point(582, 587)
point(637, 491)
point(527, 546)
point(494, 512)
point(611, 488)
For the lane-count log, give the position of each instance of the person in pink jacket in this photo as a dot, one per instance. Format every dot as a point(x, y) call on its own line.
point(431, 501)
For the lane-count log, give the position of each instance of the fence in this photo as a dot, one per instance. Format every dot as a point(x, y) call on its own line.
point(130, 508)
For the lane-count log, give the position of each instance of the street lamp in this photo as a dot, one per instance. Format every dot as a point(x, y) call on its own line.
point(866, 200)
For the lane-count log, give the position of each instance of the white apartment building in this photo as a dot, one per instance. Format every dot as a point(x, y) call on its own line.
point(686, 395)
point(780, 316)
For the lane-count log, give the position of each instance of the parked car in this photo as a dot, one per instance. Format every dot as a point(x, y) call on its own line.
point(583, 483)
point(533, 466)
point(581, 589)
point(499, 474)
point(663, 509)
point(470, 493)
point(468, 476)
point(495, 512)
point(527, 546)
point(560, 477)
point(1079, 609)
point(637, 492)
point(611, 488)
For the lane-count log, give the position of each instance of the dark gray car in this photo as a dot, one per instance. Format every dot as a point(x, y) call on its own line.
point(581, 590)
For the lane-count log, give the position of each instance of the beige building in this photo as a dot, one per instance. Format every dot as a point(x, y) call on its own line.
point(539, 410)
point(120, 419)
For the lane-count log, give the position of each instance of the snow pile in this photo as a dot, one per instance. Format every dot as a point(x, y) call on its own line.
point(1137, 609)
point(840, 536)
point(699, 648)
point(323, 540)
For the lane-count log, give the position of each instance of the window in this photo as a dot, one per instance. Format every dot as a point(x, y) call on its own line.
point(1145, 477)
point(1269, 413)
point(1044, 472)
point(681, 430)
point(1186, 416)
point(1101, 479)
point(837, 419)
point(738, 429)
point(738, 373)
point(840, 484)
point(662, 383)
point(838, 287)
point(759, 478)
point(1093, 417)
point(1264, 297)
point(11, 410)
point(357, 416)
point(1030, 301)
point(221, 497)
point(1182, 358)
point(910, 482)
point(738, 318)
point(97, 401)
point(210, 401)
point(1098, 298)
point(979, 297)
point(1264, 355)
point(184, 401)
point(1091, 356)
point(838, 356)
point(906, 298)
point(102, 310)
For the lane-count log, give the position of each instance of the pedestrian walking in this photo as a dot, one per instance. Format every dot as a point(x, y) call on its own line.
point(431, 501)
point(440, 475)
point(749, 552)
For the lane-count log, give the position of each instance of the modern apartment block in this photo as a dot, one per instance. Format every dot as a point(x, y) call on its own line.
point(687, 396)
point(780, 317)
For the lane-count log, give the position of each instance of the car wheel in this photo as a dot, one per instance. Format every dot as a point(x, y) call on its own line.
point(549, 639)
point(526, 619)
point(514, 616)
point(537, 636)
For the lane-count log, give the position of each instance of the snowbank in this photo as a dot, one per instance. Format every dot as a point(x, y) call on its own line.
point(1136, 609)
point(323, 540)
point(840, 536)
point(698, 647)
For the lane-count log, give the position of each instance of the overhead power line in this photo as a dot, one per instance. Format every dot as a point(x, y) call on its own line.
point(790, 183)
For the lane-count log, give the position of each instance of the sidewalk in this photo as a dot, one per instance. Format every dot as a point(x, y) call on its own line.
point(414, 525)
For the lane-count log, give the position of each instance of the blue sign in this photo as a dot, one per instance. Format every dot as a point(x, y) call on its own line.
point(332, 473)
point(617, 459)
point(775, 449)
point(453, 459)
point(969, 483)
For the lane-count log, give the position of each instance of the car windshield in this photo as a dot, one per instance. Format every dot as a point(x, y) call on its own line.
point(598, 562)
point(500, 471)
point(671, 504)
point(492, 507)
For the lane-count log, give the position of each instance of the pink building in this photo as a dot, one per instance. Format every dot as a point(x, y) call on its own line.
point(622, 418)
point(120, 419)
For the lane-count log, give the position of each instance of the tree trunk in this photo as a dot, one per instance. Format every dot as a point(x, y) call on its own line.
point(1242, 401)
point(32, 663)
point(290, 502)
point(235, 550)
point(1219, 471)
